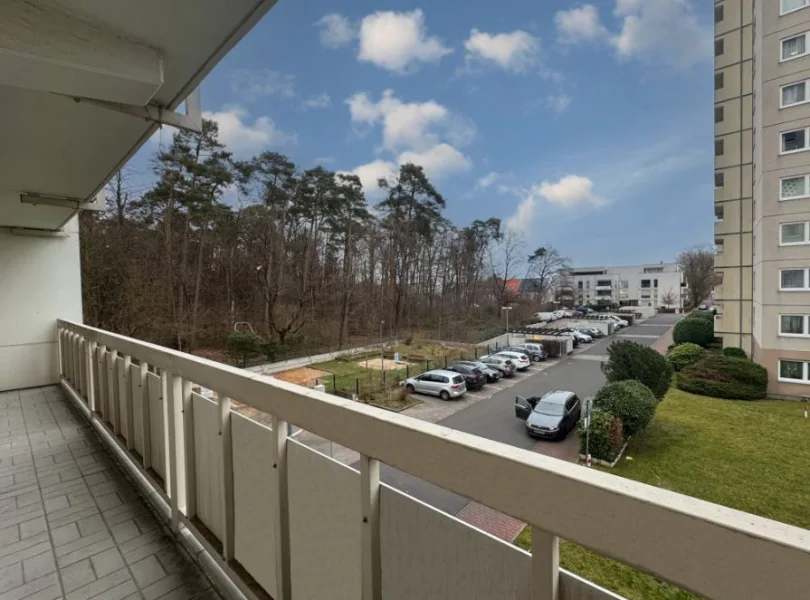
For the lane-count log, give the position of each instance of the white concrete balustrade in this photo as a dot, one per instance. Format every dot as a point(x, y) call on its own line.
point(278, 515)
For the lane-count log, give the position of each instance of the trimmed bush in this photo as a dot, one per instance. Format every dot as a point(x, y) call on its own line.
point(683, 355)
point(734, 352)
point(631, 361)
point(724, 377)
point(695, 330)
point(631, 401)
point(606, 437)
point(702, 314)
point(241, 344)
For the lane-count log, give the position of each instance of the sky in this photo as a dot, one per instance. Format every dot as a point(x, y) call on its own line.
point(583, 126)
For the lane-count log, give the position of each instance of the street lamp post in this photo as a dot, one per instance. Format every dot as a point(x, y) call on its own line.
point(382, 360)
point(506, 309)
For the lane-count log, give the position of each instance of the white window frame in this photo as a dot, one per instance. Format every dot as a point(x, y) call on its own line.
point(806, 330)
point(783, 12)
point(806, 287)
point(806, 83)
point(806, 141)
point(806, 186)
point(804, 381)
point(806, 35)
point(806, 233)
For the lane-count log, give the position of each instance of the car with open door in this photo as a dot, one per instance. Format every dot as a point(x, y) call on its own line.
point(550, 416)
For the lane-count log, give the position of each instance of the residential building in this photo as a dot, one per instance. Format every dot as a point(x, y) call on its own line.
point(652, 285)
point(762, 185)
point(103, 435)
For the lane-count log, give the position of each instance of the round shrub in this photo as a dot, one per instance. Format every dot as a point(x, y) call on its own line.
point(605, 438)
point(695, 330)
point(631, 401)
point(683, 355)
point(724, 377)
point(702, 314)
point(734, 352)
point(631, 361)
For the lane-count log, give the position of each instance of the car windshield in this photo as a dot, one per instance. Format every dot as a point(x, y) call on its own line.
point(552, 409)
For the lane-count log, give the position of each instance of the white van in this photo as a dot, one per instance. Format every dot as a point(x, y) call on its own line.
point(545, 317)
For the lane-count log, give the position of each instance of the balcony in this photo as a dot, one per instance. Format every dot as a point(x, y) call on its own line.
point(271, 517)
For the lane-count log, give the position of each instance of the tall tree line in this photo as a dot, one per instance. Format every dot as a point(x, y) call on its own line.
point(218, 243)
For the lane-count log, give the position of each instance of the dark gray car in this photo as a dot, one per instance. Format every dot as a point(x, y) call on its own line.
point(551, 416)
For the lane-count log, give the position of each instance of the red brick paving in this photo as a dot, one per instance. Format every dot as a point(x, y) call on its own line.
point(493, 522)
point(662, 343)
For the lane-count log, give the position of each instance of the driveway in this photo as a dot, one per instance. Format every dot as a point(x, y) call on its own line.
point(494, 418)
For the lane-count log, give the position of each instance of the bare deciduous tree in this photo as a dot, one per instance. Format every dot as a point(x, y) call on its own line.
point(697, 265)
point(668, 298)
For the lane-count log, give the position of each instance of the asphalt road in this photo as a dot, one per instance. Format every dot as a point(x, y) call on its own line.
point(494, 418)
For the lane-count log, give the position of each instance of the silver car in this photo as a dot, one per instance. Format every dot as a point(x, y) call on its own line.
point(441, 383)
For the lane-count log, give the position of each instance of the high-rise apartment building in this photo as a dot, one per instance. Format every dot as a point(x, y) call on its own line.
point(762, 185)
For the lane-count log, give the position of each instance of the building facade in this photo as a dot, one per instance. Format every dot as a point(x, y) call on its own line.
point(762, 185)
point(652, 285)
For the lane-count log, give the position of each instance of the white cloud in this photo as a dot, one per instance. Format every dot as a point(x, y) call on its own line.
point(524, 215)
point(487, 180)
point(372, 172)
point(316, 101)
point(438, 161)
point(398, 42)
point(570, 191)
point(336, 31)
point(559, 103)
point(245, 136)
point(662, 32)
point(580, 24)
point(515, 52)
point(251, 85)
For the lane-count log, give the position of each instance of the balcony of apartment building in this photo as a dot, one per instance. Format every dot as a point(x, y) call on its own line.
point(126, 469)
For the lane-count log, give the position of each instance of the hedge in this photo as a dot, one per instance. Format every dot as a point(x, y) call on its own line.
point(631, 401)
point(695, 330)
point(702, 314)
point(683, 355)
point(631, 361)
point(734, 352)
point(605, 438)
point(724, 377)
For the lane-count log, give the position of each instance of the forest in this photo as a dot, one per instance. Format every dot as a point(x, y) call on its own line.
point(300, 257)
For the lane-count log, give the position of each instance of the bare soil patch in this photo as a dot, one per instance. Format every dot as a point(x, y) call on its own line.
point(305, 376)
point(385, 364)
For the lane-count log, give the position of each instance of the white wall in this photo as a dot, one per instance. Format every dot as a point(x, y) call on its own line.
point(40, 281)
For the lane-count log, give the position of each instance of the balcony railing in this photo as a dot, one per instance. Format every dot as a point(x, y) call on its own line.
point(284, 520)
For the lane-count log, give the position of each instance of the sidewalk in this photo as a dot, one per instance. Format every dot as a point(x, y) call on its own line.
point(664, 342)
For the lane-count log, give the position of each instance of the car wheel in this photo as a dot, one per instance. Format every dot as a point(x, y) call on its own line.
point(536, 358)
point(444, 395)
point(410, 388)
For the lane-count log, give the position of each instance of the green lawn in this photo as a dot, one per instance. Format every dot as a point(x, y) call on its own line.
point(752, 456)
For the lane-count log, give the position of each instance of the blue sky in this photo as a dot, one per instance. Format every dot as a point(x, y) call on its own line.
point(583, 126)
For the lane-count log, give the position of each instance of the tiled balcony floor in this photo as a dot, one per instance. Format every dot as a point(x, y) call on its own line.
point(71, 524)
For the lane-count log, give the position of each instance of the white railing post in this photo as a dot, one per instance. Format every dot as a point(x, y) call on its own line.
point(125, 393)
point(545, 565)
point(146, 419)
point(187, 414)
point(89, 359)
point(101, 368)
point(226, 448)
point(112, 388)
point(173, 391)
point(60, 355)
point(77, 370)
point(72, 362)
point(83, 368)
point(282, 512)
point(370, 499)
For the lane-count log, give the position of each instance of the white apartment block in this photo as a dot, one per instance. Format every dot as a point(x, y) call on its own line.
point(651, 285)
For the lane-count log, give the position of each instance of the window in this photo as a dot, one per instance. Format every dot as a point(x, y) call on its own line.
point(718, 13)
point(791, 188)
point(794, 371)
point(794, 47)
point(719, 179)
point(794, 141)
point(603, 283)
point(645, 294)
point(655, 283)
point(653, 269)
point(718, 47)
point(645, 283)
point(719, 114)
point(719, 210)
point(719, 147)
point(579, 285)
point(793, 233)
point(718, 245)
point(786, 6)
point(790, 325)
point(793, 94)
point(793, 280)
point(603, 292)
point(719, 81)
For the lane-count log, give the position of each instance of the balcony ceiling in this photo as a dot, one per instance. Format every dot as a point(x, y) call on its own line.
point(133, 52)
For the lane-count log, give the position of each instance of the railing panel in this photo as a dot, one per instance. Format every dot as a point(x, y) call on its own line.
point(254, 527)
point(209, 464)
point(121, 396)
point(325, 527)
point(157, 429)
point(137, 407)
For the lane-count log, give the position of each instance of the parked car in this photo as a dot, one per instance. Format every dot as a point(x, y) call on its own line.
point(535, 351)
point(582, 337)
point(492, 374)
point(501, 363)
point(521, 360)
point(545, 317)
point(592, 331)
point(617, 321)
point(550, 416)
point(441, 383)
point(474, 377)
